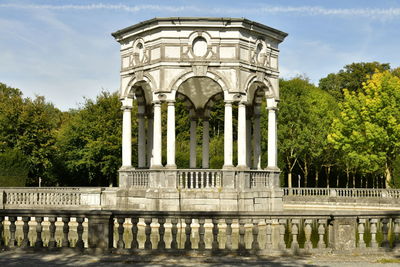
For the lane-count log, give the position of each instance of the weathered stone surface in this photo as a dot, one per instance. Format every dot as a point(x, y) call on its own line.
point(343, 236)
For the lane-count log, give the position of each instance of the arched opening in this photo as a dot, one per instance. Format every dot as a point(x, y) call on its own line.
point(199, 133)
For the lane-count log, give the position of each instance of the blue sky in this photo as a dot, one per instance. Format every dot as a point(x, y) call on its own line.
point(64, 51)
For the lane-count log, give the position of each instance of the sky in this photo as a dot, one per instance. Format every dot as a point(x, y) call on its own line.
point(64, 50)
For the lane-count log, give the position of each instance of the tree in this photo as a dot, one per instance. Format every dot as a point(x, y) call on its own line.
point(14, 168)
point(29, 126)
point(89, 143)
point(368, 128)
point(351, 77)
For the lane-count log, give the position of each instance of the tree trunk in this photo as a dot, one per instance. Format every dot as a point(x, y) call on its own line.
point(305, 175)
point(348, 177)
point(328, 178)
point(354, 180)
point(316, 178)
point(388, 176)
point(289, 179)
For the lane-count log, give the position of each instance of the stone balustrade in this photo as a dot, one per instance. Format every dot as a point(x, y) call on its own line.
point(341, 198)
point(50, 197)
point(342, 192)
point(247, 232)
point(199, 179)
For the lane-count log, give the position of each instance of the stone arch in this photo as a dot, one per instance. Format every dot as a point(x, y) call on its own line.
point(146, 82)
point(257, 87)
point(174, 85)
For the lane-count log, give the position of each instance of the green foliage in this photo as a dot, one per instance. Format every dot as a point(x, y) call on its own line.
point(29, 126)
point(89, 142)
point(351, 77)
point(305, 115)
point(14, 168)
point(368, 128)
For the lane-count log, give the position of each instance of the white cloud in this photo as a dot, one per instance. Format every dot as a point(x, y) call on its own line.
point(378, 13)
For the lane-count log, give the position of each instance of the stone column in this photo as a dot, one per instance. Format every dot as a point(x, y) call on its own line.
point(126, 133)
point(206, 144)
point(141, 138)
point(171, 135)
point(228, 136)
point(193, 141)
point(272, 134)
point(256, 139)
point(150, 132)
point(242, 140)
point(248, 140)
point(157, 137)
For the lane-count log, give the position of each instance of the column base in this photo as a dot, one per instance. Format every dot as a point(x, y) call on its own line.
point(228, 167)
point(126, 168)
point(156, 167)
point(242, 168)
point(171, 166)
point(272, 168)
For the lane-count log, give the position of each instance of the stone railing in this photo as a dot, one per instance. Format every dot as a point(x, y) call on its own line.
point(267, 233)
point(341, 198)
point(139, 178)
point(343, 192)
point(50, 197)
point(260, 179)
point(199, 179)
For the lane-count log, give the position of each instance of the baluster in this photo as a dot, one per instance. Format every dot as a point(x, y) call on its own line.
point(120, 243)
point(188, 231)
point(361, 231)
point(39, 228)
point(202, 180)
point(218, 179)
point(180, 182)
point(282, 227)
point(65, 241)
point(242, 231)
point(373, 231)
point(228, 244)
point(268, 232)
point(134, 243)
point(207, 177)
point(396, 230)
point(196, 175)
point(255, 245)
point(321, 233)
point(191, 180)
point(202, 244)
point(79, 229)
point(1, 231)
point(25, 229)
point(12, 243)
point(307, 232)
point(161, 232)
point(147, 231)
point(215, 231)
point(174, 232)
point(295, 233)
point(52, 229)
point(385, 230)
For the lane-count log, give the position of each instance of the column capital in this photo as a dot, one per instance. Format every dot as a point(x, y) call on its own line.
point(228, 102)
point(126, 108)
point(171, 102)
point(157, 102)
point(272, 104)
point(126, 103)
point(242, 103)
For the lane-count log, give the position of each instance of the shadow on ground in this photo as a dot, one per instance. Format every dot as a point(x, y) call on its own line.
point(33, 259)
